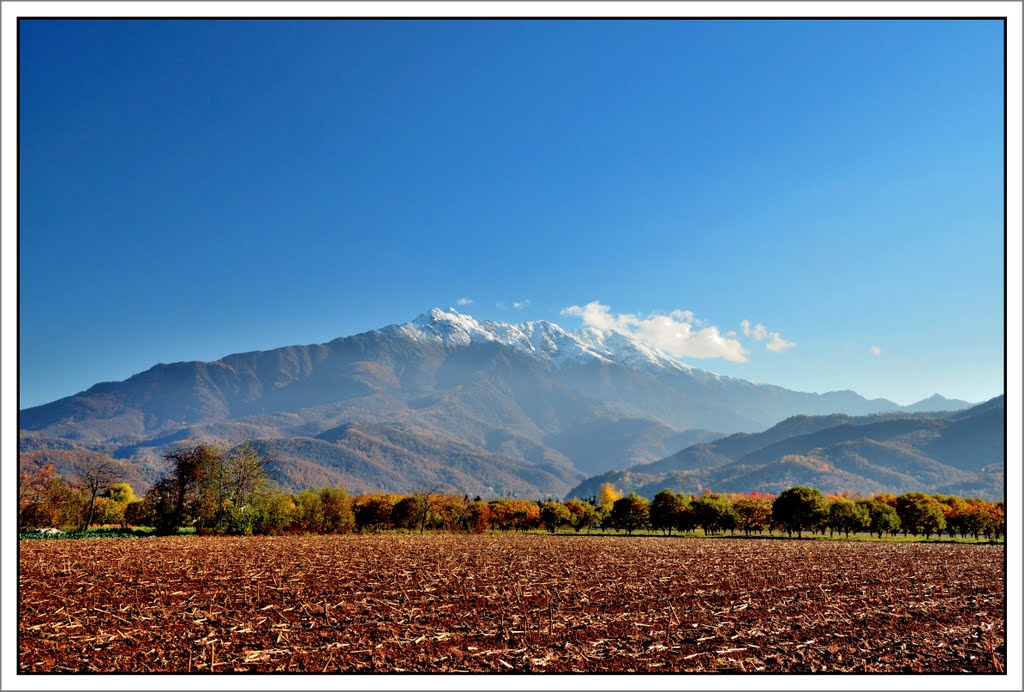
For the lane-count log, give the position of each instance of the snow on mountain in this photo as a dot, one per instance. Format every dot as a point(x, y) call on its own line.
point(542, 339)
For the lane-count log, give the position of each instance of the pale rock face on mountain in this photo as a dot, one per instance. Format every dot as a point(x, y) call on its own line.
point(444, 400)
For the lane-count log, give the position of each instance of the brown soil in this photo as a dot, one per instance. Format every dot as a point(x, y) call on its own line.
point(504, 603)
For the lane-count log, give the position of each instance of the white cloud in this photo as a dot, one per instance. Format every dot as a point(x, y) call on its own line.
point(673, 333)
point(776, 344)
point(520, 304)
point(464, 301)
point(500, 305)
point(875, 351)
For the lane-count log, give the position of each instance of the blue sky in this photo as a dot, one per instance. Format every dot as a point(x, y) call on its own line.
point(194, 189)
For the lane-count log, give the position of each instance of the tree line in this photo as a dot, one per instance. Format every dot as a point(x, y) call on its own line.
point(214, 491)
point(800, 510)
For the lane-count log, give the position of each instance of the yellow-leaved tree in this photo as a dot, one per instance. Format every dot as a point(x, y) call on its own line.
point(607, 495)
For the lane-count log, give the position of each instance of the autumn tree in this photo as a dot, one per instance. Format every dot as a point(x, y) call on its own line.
point(515, 514)
point(607, 495)
point(686, 518)
point(754, 513)
point(35, 496)
point(139, 513)
point(477, 518)
point(983, 518)
point(123, 494)
point(45, 499)
point(582, 515)
point(428, 501)
point(374, 512)
point(953, 510)
point(450, 511)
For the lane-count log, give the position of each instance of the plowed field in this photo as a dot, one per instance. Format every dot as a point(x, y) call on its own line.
point(508, 603)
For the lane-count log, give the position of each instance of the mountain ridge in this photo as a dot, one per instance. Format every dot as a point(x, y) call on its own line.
point(526, 394)
point(895, 452)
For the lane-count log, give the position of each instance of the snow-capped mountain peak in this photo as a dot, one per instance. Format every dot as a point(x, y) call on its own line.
point(541, 339)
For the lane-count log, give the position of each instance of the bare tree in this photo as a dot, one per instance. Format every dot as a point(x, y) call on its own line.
point(428, 499)
point(97, 476)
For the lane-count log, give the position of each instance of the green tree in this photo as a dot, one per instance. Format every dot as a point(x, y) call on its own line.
point(554, 514)
point(715, 513)
point(107, 511)
point(275, 511)
point(665, 511)
point(686, 519)
point(798, 509)
point(882, 517)
point(845, 516)
point(237, 488)
point(121, 492)
point(184, 497)
point(337, 508)
point(630, 513)
point(406, 513)
point(308, 515)
point(920, 514)
point(214, 491)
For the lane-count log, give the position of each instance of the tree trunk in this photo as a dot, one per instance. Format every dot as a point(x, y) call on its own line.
point(88, 516)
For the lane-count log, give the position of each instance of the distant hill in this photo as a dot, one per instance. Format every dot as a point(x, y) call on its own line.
point(896, 453)
point(937, 402)
point(444, 399)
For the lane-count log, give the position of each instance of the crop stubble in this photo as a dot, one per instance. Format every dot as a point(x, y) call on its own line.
point(392, 603)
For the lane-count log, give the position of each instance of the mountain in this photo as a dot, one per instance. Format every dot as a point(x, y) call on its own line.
point(529, 407)
point(937, 402)
point(896, 452)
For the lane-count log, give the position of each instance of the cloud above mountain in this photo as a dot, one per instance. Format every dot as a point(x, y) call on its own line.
point(776, 344)
point(678, 333)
